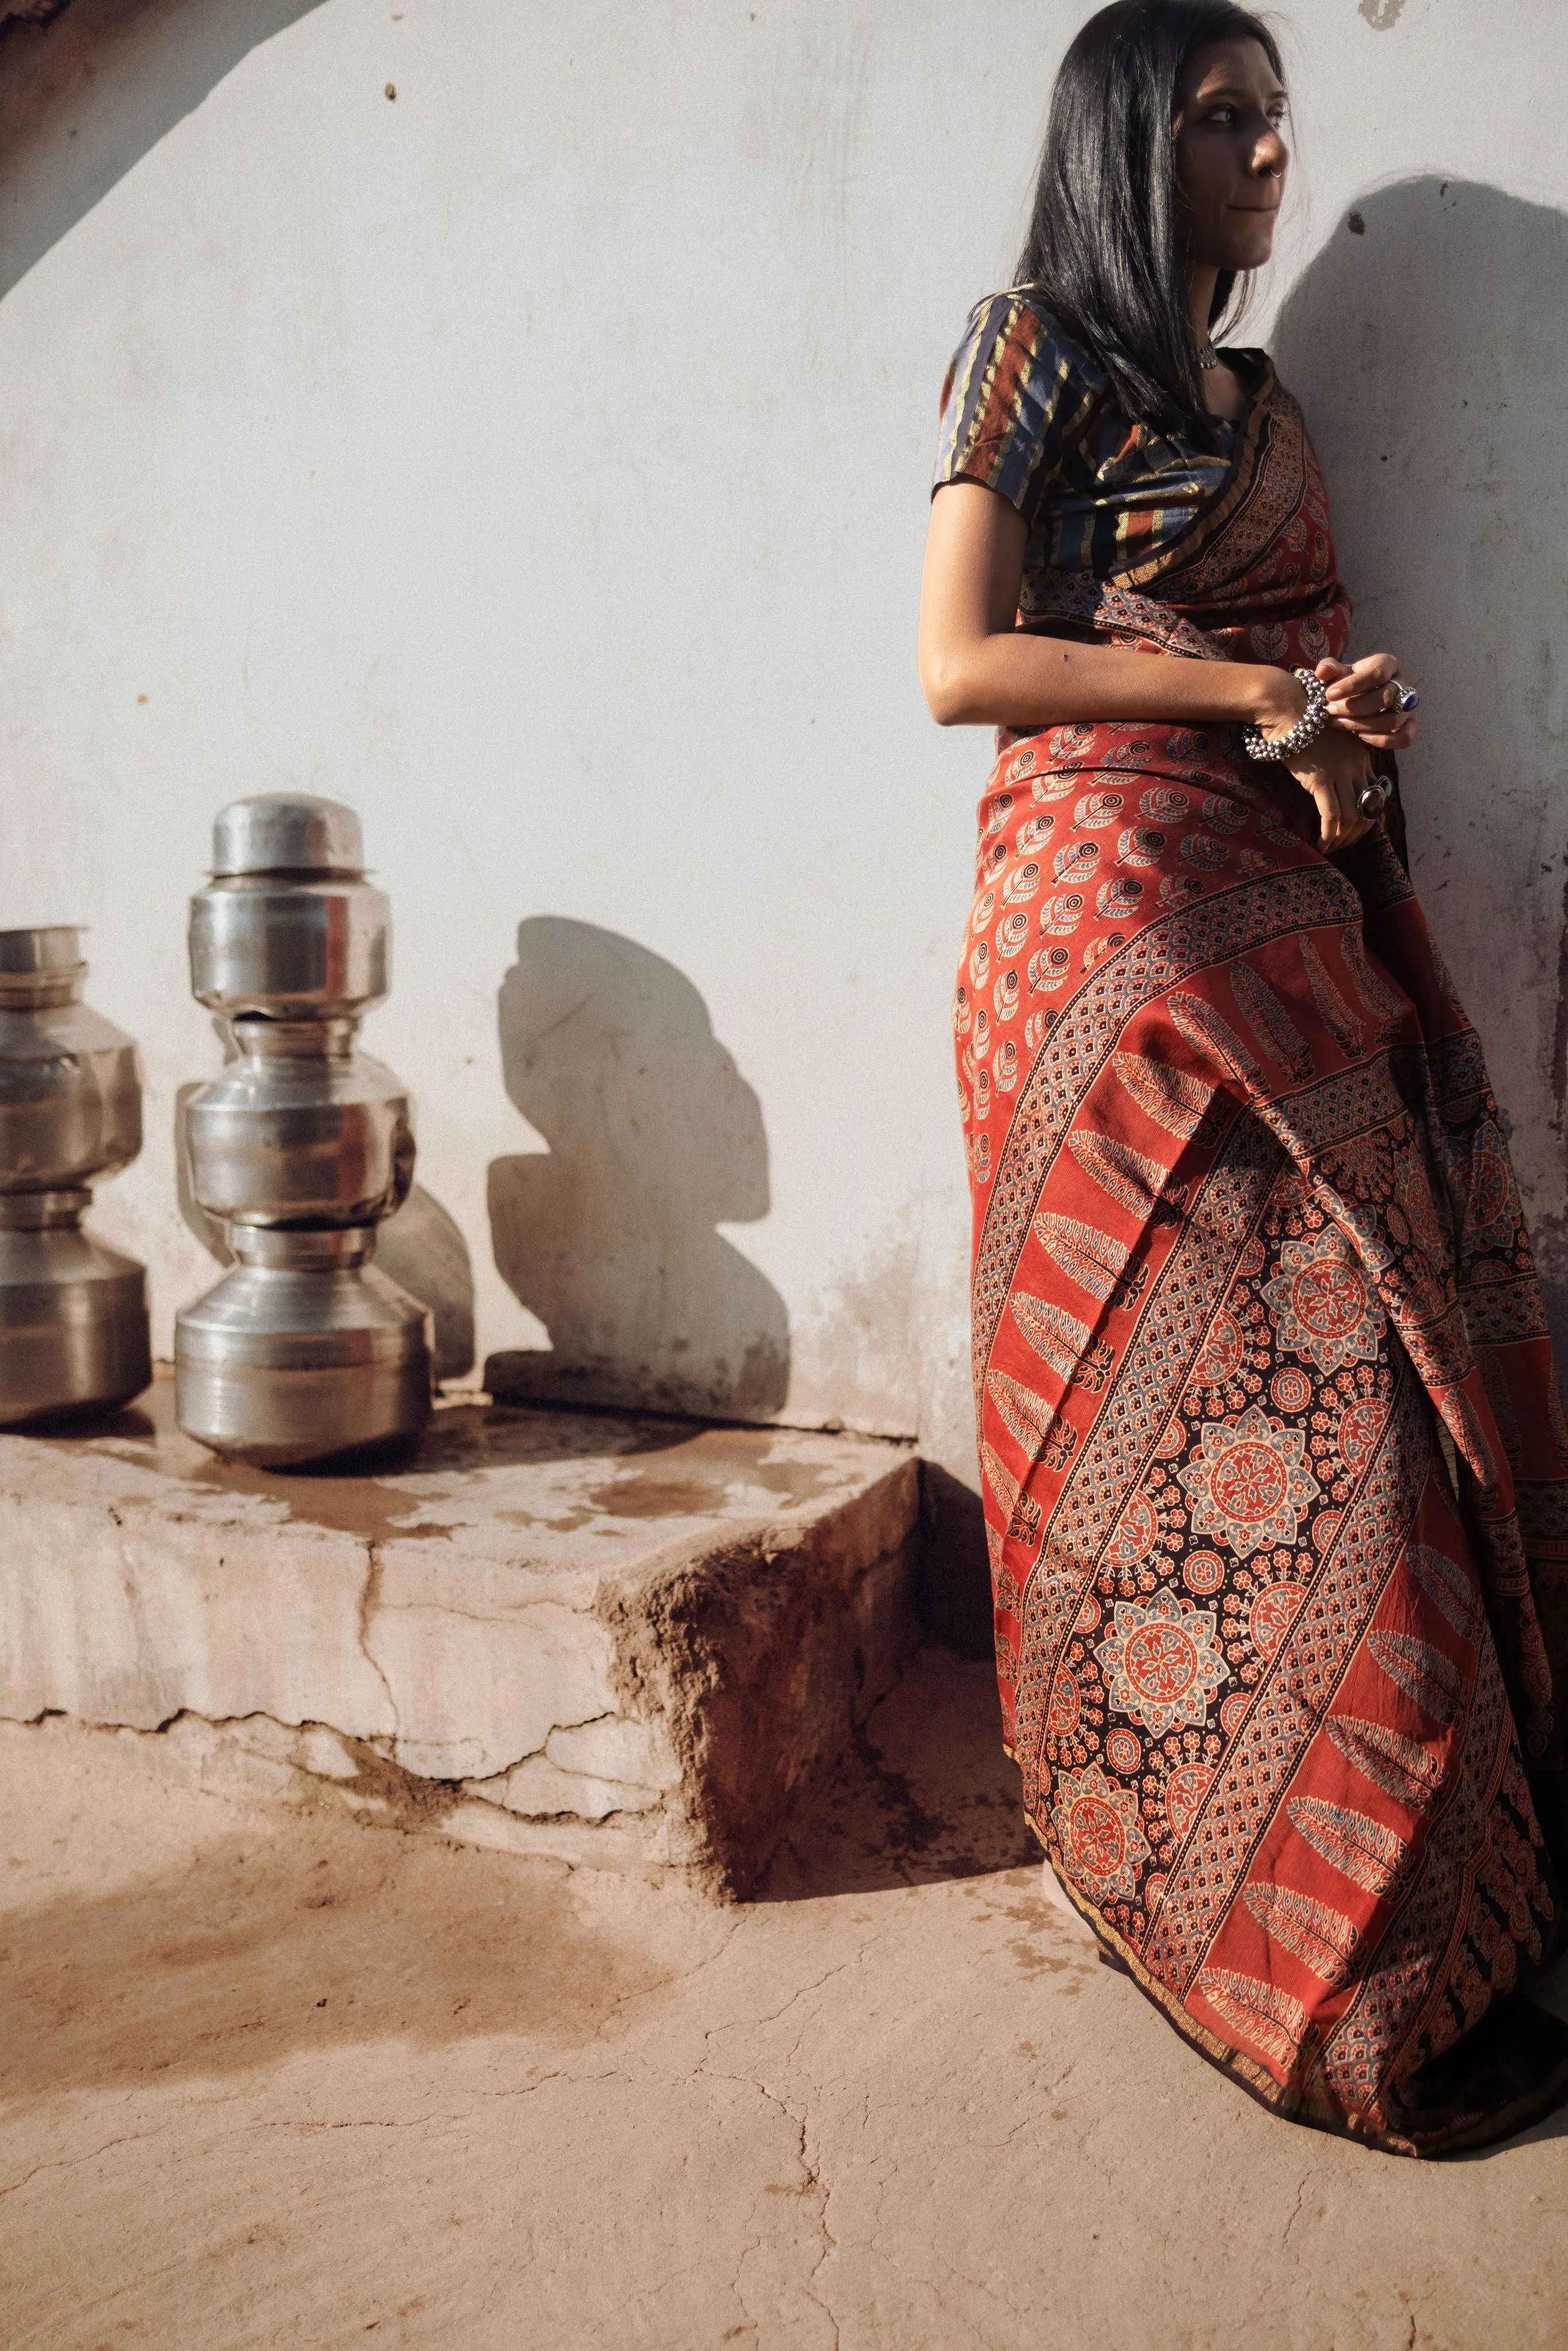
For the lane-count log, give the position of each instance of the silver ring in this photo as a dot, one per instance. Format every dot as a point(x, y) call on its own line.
point(1405, 696)
point(1372, 798)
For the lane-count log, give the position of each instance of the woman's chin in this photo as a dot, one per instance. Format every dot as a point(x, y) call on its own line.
point(1249, 252)
point(1234, 246)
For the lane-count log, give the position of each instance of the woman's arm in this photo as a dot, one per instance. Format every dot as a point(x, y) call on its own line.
point(979, 668)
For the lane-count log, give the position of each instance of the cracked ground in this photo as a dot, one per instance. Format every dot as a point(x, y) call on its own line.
point(274, 2078)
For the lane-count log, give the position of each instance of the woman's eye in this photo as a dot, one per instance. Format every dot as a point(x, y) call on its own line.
point(1223, 114)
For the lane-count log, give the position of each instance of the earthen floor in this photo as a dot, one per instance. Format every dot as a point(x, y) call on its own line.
point(274, 2078)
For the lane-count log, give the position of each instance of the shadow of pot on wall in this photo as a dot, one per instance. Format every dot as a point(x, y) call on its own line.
point(610, 1237)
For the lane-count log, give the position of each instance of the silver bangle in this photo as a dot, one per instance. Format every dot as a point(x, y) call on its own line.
point(1305, 731)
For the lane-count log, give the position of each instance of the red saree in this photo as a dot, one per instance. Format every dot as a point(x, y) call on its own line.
point(1275, 1469)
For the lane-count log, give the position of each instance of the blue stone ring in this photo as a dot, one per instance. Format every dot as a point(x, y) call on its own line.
point(1406, 697)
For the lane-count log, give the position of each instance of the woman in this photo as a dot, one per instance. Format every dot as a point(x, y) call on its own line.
point(1275, 1469)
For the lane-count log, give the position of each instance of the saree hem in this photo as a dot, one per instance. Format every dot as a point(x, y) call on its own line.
point(1287, 2101)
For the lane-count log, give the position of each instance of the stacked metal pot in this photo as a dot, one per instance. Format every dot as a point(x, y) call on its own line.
point(73, 1314)
point(305, 1350)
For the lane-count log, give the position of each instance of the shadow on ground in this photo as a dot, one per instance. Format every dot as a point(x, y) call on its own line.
point(927, 1794)
point(284, 1938)
point(275, 1942)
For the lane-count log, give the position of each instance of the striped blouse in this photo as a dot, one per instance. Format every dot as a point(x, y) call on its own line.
point(1027, 413)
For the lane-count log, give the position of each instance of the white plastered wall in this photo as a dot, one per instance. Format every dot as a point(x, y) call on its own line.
point(537, 458)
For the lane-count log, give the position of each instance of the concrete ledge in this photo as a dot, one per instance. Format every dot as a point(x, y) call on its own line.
point(619, 1640)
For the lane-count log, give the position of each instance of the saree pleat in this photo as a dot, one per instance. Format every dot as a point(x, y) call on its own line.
point(1274, 1464)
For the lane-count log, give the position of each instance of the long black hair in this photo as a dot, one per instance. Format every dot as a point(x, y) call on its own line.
point(1104, 247)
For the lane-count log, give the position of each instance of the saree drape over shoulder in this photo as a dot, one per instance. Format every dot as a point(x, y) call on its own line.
point(1274, 1464)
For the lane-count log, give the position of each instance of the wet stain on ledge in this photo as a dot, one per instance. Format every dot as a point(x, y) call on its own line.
point(645, 1467)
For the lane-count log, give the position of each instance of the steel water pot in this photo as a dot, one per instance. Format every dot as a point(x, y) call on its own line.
point(301, 1129)
point(289, 928)
point(305, 1351)
point(73, 1314)
point(70, 1092)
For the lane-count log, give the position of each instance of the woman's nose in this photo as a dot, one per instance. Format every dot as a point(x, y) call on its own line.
point(1269, 153)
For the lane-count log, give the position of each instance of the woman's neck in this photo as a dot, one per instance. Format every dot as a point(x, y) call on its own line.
point(1224, 394)
point(1201, 280)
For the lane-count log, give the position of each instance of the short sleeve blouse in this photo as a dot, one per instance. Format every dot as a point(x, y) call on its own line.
point(1027, 413)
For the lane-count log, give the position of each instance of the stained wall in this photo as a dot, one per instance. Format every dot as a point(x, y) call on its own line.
point(514, 419)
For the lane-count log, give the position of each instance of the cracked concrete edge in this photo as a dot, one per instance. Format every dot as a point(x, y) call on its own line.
point(763, 1649)
point(311, 1765)
point(758, 1648)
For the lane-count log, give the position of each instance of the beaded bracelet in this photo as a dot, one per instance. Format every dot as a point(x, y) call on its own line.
point(1305, 731)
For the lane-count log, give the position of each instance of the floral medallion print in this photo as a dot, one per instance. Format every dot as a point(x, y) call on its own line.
point(1096, 1822)
point(1250, 1484)
point(1160, 1663)
point(1323, 1304)
point(1359, 1429)
point(1138, 1534)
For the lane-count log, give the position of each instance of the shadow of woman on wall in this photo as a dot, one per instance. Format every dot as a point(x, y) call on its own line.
point(1427, 343)
point(655, 1138)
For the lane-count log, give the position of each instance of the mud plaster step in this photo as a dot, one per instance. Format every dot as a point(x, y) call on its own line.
point(618, 1639)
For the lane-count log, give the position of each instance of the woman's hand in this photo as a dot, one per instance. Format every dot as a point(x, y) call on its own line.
point(1362, 699)
point(1333, 769)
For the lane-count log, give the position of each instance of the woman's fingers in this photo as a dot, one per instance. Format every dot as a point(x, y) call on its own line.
point(1376, 740)
point(1352, 823)
point(1341, 820)
point(1370, 675)
point(1381, 734)
point(1336, 819)
point(1370, 693)
point(1382, 703)
point(1326, 801)
point(1364, 698)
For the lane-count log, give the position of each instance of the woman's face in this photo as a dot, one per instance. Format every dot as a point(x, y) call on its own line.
point(1230, 155)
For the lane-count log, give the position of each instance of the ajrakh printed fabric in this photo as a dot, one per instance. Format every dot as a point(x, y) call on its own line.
point(1275, 1469)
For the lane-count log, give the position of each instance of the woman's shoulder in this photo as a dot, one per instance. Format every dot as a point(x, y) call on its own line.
point(1018, 390)
point(1020, 318)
